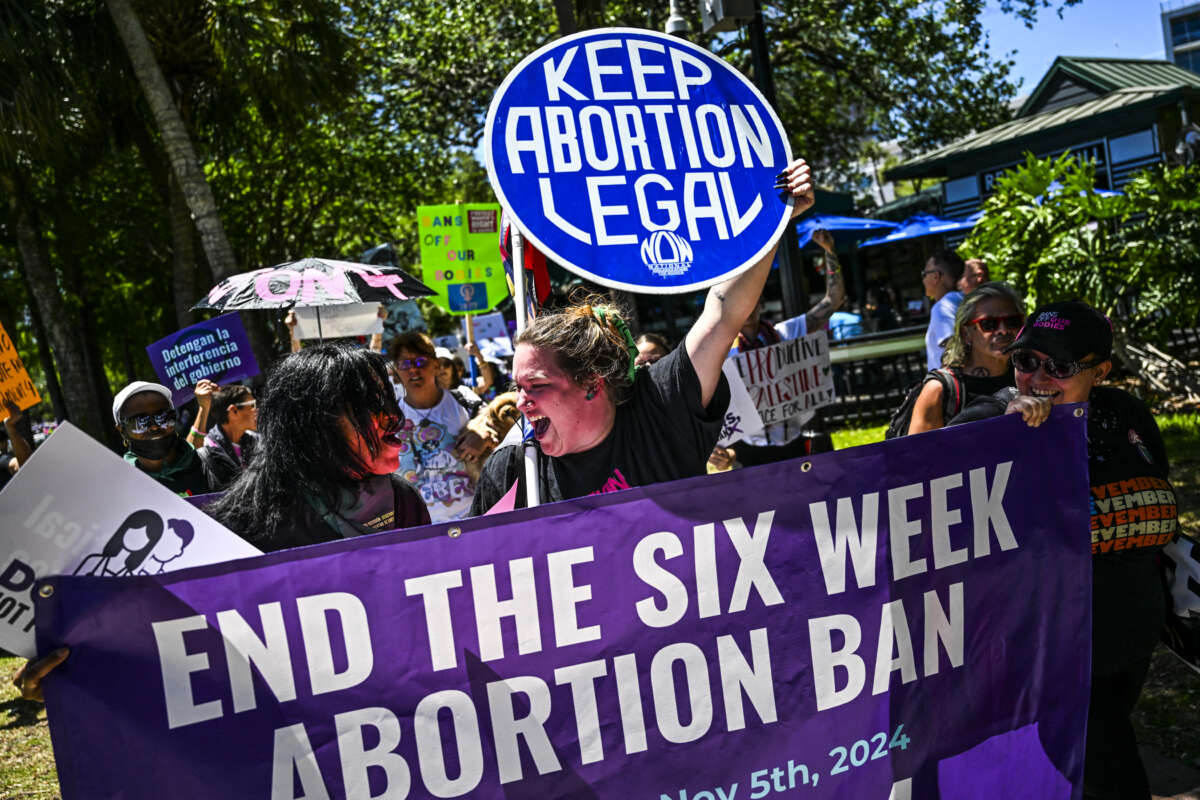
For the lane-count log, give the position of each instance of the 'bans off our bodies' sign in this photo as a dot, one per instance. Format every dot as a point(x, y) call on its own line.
point(638, 160)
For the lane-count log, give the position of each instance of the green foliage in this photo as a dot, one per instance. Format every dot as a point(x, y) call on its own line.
point(853, 437)
point(1135, 256)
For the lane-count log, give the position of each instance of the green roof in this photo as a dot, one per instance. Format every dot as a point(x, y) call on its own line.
point(1109, 75)
point(1123, 85)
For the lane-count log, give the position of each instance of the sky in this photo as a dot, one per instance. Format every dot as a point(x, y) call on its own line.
point(1098, 28)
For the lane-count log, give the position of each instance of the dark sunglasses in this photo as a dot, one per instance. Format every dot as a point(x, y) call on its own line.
point(1025, 361)
point(413, 363)
point(991, 324)
point(140, 423)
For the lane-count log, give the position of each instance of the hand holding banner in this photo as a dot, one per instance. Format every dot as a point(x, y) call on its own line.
point(908, 619)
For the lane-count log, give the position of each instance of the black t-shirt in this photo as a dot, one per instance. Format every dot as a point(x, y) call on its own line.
point(1134, 514)
point(662, 433)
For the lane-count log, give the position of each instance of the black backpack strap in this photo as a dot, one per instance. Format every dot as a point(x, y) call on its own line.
point(472, 406)
point(953, 392)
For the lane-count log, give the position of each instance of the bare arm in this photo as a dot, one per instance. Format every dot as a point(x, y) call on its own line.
point(927, 411)
point(729, 304)
point(835, 287)
point(22, 449)
point(203, 391)
point(376, 343)
point(290, 322)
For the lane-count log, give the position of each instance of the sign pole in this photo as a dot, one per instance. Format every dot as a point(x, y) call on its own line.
point(320, 333)
point(469, 324)
point(532, 490)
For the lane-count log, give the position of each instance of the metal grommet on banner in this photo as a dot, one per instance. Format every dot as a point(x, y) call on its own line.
point(454, 533)
point(1079, 412)
point(46, 590)
point(806, 466)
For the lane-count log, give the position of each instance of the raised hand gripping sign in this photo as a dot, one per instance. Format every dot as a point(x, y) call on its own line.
point(638, 160)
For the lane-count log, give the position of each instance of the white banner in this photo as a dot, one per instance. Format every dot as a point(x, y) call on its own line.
point(741, 419)
point(353, 319)
point(75, 508)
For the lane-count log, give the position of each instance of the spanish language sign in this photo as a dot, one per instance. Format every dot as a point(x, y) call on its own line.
point(77, 509)
point(460, 256)
point(15, 384)
point(891, 620)
point(789, 378)
point(638, 160)
point(216, 349)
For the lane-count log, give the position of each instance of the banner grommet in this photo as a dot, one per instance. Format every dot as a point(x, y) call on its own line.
point(454, 533)
point(1079, 412)
point(46, 590)
point(806, 466)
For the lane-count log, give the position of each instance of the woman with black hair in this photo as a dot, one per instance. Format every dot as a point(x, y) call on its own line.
point(328, 444)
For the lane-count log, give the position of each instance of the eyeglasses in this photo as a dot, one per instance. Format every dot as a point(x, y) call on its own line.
point(1025, 361)
point(140, 423)
point(990, 324)
point(247, 404)
point(930, 272)
point(413, 363)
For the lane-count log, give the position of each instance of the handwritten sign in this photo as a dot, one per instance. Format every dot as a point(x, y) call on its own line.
point(741, 418)
point(216, 349)
point(460, 258)
point(788, 379)
point(15, 383)
point(355, 319)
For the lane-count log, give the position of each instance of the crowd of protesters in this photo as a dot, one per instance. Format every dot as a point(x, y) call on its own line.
point(344, 442)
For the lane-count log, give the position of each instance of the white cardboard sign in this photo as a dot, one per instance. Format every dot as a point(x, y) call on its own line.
point(353, 319)
point(75, 508)
point(788, 379)
point(741, 418)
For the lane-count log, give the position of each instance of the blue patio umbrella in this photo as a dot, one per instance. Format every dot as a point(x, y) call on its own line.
point(924, 225)
point(853, 227)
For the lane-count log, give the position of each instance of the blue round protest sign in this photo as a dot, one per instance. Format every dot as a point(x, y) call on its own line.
point(638, 160)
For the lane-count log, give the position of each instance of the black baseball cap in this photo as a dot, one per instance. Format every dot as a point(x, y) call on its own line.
point(1067, 331)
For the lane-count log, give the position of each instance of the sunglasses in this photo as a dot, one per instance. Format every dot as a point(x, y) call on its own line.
point(413, 363)
point(990, 324)
point(247, 404)
point(1025, 361)
point(140, 423)
point(929, 272)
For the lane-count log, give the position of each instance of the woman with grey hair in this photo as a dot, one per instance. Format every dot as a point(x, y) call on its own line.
point(974, 362)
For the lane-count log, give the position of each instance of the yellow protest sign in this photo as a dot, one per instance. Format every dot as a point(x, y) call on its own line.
point(460, 256)
point(15, 384)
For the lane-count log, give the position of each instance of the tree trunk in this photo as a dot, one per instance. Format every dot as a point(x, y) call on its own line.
point(183, 257)
point(46, 356)
point(72, 364)
point(176, 140)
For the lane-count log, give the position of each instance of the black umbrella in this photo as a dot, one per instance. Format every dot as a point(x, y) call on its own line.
point(313, 282)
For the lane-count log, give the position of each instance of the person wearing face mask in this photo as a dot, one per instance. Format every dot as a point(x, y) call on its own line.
point(1062, 355)
point(147, 423)
point(329, 443)
point(600, 422)
point(975, 362)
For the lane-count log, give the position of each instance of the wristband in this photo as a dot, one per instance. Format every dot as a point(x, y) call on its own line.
point(197, 432)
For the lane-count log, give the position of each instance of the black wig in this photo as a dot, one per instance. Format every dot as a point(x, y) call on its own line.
point(302, 451)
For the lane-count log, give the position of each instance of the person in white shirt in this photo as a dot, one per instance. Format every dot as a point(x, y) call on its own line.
point(435, 423)
point(940, 276)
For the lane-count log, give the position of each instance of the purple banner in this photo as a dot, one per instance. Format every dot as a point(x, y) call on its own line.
point(908, 620)
point(216, 349)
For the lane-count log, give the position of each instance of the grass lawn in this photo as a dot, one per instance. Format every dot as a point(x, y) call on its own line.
point(1167, 716)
